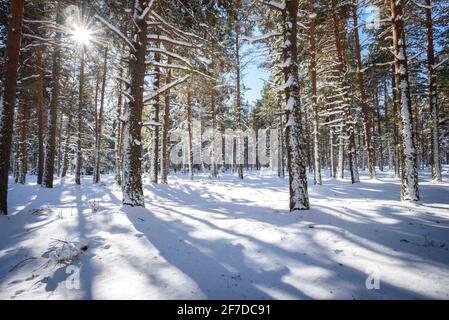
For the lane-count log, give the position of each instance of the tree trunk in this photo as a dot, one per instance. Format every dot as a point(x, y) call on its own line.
point(65, 161)
point(40, 115)
point(97, 88)
point(238, 94)
point(50, 145)
point(59, 156)
point(12, 52)
point(433, 103)
point(281, 171)
point(346, 107)
point(100, 120)
point(166, 128)
point(299, 198)
point(154, 166)
point(190, 133)
point(213, 93)
point(132, 162)
point(397, 165)
point(313, 75)
point(341, 157)
point(119, 131)
point(379, 131)
point(387, 126)
point(333, 170)
point(22, 139)
point(409, 186)
point(79, 156)
point(365, 110)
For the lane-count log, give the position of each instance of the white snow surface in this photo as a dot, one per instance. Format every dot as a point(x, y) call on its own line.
point(228, 239)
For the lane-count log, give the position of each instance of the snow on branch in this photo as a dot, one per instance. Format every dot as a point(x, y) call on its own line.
point(169, 53)
point(261, 37)
point(28, 78)
point(275, 5)
point(170, 40)
point(164, 22)
point(151, 123)
point(165, 88)
point(145, 12)
point(39, 21)
point(31, 36)
point(421, 5)
point(435, 66)
point(116, 31)
point(179, 67)
point(123, 80)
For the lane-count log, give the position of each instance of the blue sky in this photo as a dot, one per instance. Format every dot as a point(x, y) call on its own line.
point(252, 79)
point(252, 75)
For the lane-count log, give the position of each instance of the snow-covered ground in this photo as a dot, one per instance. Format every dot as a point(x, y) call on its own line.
point(222, 239)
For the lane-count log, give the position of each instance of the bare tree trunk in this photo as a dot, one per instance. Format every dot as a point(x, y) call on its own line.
point(365, 109)
point(238, 93)
point(214, 170)
point(190, 133)
point(166, 128)
point(12, 53)
point(417, 132)
point(313, 75)
point(299, 198)
point(281, 171)
point(387, 126)
point(100, 120)
point(341, 157)
point(132, 163)
point(79, 156)
point(50, 145)
point(435, 153)
point(397, 165)
point(97, 89)
point(65, 161)
point(59, 156)
point(22, 139)
point(40, 115)
point(346, 107)
point(7, 105)
point(333, 170)
point(409, 187)
point(379, 131)
point(119, 132)
point(154, 166)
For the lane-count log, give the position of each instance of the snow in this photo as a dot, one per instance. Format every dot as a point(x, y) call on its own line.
point(116, 31)
point(290, 104)
point(171, 40)
point(228, 238)
point(147, 9)
point(165, 88)
point(277, 5)
point(261, 37)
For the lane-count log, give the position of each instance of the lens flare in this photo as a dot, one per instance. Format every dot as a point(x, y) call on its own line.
point(81, 35)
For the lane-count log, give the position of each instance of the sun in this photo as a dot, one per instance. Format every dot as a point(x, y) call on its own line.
point(81, 35)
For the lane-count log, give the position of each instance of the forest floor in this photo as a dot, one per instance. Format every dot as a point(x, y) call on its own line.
point(226, 239)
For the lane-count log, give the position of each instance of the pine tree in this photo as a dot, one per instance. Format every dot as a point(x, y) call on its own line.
point(299, 198)
point(50, 144)
point(9, 96)
point(409, 187)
